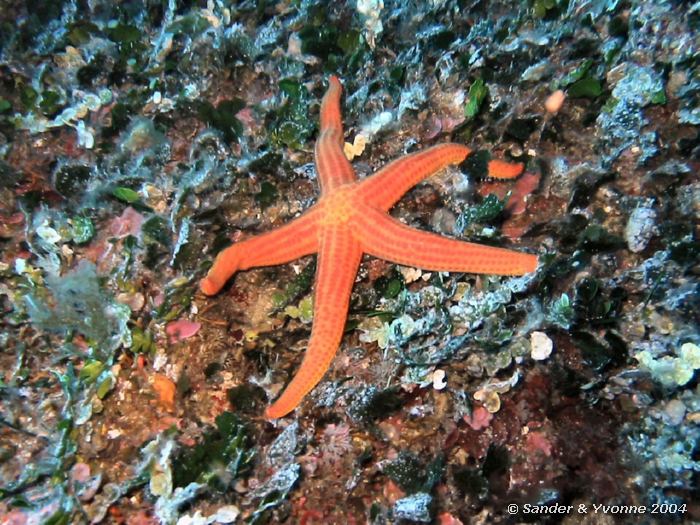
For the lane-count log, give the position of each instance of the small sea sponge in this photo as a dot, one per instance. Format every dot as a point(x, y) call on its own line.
point(555, 101)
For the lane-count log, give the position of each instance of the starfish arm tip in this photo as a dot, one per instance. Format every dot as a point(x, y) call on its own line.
point(208, 286)
point(499, 169)
point(274, 412)
point(530, 263)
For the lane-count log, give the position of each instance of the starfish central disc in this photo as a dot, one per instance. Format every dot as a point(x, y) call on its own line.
point(338, 208)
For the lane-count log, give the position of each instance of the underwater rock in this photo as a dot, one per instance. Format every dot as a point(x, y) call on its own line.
point(640, 227)
point(415, 507)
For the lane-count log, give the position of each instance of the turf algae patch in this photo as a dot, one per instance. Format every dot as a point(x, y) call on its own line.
point(76, 303)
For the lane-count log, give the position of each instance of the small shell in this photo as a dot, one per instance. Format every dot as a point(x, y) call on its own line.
point(356, 148)
point(490, 399)
point(439, 379)
point(541, 346)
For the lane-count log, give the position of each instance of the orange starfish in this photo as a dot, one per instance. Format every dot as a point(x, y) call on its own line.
point(351, 218)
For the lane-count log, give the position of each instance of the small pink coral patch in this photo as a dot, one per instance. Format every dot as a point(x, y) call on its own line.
point(525, 185)
point(80, 472)
point(15, 517)
point(538, 442)
point(181, 329)
point(128, 223)
point(480, 418)
point(448, 519)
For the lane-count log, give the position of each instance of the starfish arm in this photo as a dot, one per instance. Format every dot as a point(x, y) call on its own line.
point(338, 260)
point(332, 166)
point(284, 244)
point(499, 169)
point(384, 188)
point(385, 237)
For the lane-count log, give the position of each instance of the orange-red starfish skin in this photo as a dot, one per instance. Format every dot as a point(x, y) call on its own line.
point(349, 219)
